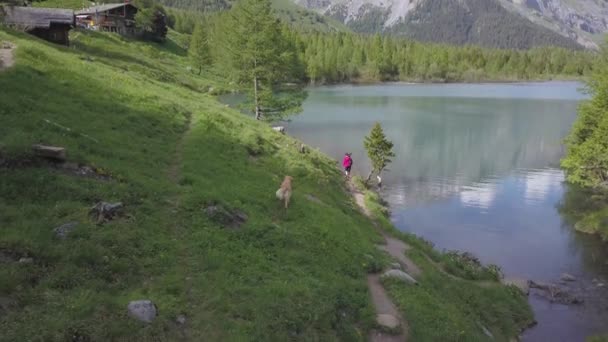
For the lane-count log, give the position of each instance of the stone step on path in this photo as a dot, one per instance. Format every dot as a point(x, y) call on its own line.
point(393, 326)
point(387, 315)
point(397, 249)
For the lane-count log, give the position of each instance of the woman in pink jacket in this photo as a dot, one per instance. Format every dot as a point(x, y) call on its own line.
point(347, 163)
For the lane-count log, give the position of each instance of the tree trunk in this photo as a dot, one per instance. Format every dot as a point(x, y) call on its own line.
point(258, 115)
point(371, 173)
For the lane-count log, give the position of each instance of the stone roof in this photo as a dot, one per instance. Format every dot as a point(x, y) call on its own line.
point(34, 17)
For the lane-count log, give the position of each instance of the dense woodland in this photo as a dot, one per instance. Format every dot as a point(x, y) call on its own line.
point(350, 57)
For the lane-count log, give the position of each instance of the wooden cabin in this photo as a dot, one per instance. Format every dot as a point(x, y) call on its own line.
point(50, 24)
point(119, 18)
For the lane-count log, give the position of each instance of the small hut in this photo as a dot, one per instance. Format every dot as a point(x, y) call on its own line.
point(119, 18)
point(50, 24)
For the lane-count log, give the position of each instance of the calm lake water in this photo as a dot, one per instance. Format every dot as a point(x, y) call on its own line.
point(477, 170)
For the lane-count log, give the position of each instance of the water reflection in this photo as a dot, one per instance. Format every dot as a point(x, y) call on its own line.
point(480, 196)
point(476, 169)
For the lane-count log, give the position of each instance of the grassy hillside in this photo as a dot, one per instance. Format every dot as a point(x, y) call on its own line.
point(171, 151)
point(184, 166)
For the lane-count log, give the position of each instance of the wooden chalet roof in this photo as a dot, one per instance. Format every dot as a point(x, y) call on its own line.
point(30, 17)
point(102, 8)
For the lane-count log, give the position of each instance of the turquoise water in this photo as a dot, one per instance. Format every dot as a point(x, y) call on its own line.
point(476, 169)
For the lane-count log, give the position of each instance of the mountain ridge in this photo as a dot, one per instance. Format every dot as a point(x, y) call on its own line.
point(524, 23)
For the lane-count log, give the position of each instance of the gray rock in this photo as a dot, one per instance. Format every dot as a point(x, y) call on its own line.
point(104, 211)
point(280, 129)
point(26, 261)
point(398, 274)
point(387, 321)
point(567, 277)
point(522, 284)
point(64, 230)
point(396, 266)
point(142, 310)
point(233, 218)
point(181, 319)
point(485, 330)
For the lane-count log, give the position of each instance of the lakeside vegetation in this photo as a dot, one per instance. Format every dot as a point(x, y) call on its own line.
point(457, 296)
point(586, 160)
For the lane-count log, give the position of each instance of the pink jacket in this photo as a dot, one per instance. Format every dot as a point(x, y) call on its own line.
point(347, 161)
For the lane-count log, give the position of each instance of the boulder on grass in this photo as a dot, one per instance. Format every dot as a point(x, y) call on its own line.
point(143, 310)
point(400, 275)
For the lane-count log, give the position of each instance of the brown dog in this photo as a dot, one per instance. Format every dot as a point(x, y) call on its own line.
point(284, 192)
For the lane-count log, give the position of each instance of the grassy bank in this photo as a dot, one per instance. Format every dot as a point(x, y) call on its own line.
point(458, 296)
point(201, 233)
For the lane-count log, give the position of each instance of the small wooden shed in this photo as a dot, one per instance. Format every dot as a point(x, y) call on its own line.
point(52, 24)
point(119, 18)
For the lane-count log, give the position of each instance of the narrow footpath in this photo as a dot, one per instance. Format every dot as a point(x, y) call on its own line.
point(394, 326)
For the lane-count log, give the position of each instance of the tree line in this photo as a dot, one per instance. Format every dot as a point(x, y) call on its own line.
point(350, 57)
point(272, 62)
point(345, 57)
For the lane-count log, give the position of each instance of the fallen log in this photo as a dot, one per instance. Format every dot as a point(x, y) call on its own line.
point(50, 152)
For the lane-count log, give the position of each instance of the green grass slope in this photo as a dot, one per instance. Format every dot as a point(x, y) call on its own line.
point(71, 4)
point(171, 150)
point(168, 150)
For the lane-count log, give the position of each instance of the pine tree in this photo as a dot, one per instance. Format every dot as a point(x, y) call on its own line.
point(198, 52)
point(262, 60)
point(379, 150)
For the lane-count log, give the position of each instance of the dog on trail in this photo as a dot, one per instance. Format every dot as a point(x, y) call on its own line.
point(284, 192)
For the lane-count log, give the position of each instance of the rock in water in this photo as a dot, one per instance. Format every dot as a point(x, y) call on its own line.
point(142, 310)
point(388, 322)
point(398, 274)
point(567, 277)
point(64, 230)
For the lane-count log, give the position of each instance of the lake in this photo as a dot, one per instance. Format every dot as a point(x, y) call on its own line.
point(476, 169)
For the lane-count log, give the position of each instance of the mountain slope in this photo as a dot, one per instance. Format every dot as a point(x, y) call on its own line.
point(585, 21)
point(481, 22)
point(485, 22)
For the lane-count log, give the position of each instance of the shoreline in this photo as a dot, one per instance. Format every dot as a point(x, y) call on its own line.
point(423, 82)
point(423, 251)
